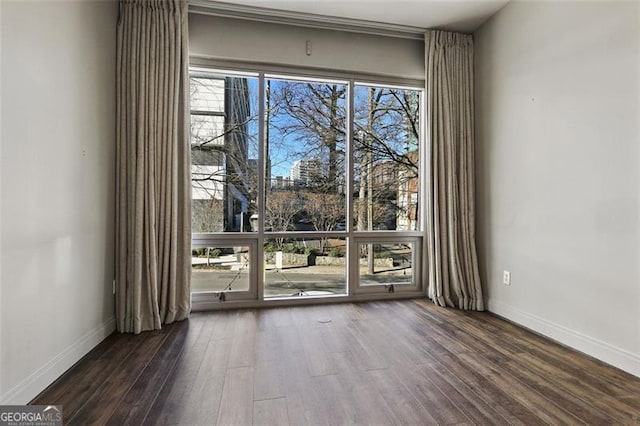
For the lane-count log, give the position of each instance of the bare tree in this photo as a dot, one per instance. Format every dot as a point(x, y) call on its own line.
point(314, 115)
point(386, 134)
point(325, 211)
point(280, 210)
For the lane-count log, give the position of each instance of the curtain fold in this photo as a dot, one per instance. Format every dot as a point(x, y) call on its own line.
point(153, 212)
point(454, 279)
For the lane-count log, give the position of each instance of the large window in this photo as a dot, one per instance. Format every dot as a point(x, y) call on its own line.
point(304, 187)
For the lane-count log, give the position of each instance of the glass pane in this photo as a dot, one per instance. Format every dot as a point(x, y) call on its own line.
point(386, 263)
point(220, 269)
point(304, 267)
point(207, 94)
point(207, 131)
point(224, 151)
point(305, 156)
point(386, 137)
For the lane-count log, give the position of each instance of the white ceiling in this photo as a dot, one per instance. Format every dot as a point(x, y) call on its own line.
point(455, 15)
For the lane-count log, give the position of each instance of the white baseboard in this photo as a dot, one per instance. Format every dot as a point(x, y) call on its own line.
point(598, 349)
point(31, 386)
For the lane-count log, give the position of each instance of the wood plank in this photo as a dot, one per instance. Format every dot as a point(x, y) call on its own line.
point(202, 402)
point(477, 345)
point(422, 337)
point(271, 367)
point(318, 360)
point(546, 409)
point(566, 380)
point(365, 349)
point(334, 336)
point(404, 407)
point(104, 401)
point(243, 340)
point(270, 412)
point(431, 397)
point(236, 404)
point(474, 407)
point(297, 380)
point(570, 391)
point(615, 382)
point(363, 403)
point(501, 399)
point(324, 403)
point(77, 385)
point(169, 405)
point(133, 408)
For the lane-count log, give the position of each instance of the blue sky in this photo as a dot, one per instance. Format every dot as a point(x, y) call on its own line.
point(285, 149)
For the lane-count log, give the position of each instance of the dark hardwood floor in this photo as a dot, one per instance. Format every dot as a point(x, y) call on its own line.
point(377, 363)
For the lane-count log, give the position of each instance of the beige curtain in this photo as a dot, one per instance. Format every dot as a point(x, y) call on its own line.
point(153, 234)
point(453, 266)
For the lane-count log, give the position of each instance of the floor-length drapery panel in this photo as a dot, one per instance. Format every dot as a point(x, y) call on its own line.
point(153, 226)
point(453, 266)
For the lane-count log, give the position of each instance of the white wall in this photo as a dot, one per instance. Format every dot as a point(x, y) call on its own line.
point(557, 113)
point(267, 43)
point(58, 151)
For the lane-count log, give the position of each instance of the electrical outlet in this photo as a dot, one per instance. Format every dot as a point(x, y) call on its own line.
point(506, 277)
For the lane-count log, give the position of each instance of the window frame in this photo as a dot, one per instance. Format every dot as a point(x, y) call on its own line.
point(213, 297)
point(416, 266)
point(255, 240)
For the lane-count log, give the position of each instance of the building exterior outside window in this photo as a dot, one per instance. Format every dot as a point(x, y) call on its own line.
point(224, 183)
point(306, 172)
